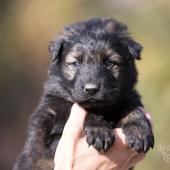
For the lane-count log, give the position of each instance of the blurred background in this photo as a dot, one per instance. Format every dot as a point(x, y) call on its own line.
point(26, 27)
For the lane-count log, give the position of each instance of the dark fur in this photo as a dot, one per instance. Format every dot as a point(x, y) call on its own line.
point(100, 52)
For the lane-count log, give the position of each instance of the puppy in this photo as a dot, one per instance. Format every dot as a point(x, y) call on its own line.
point(93, 64)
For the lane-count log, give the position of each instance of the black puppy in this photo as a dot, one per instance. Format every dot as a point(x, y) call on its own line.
point(93, 64)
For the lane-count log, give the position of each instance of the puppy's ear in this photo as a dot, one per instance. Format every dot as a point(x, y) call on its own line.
point(56, 48)
point(133, 48)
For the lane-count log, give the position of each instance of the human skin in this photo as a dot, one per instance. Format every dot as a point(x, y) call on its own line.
point(73, 152)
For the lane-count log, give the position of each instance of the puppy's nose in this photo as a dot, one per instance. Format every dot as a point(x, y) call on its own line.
point(91, 88)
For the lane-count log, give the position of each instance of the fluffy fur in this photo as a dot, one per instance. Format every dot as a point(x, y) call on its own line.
point(93, 64)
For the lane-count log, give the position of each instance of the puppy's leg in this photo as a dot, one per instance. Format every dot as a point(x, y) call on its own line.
point(138, 131)
point(98, 132)
point(36, 154)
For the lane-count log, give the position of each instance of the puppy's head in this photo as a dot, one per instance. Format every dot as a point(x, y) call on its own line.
point(93, 62)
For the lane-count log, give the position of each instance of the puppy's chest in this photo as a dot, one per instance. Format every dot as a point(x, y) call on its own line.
point(110, 114)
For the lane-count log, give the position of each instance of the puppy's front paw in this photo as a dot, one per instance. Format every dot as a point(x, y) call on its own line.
point(102, 138)
point(139, 138)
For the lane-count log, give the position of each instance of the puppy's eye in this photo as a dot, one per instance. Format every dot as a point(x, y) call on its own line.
point(75, 64)
point(110, 63)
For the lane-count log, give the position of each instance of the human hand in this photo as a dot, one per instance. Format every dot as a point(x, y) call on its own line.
point(73, 152)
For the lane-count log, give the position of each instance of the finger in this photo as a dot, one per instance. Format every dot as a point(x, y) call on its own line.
point(135, 159)
point(65, 150)
point(63, 158)
point(75, 121)
point(120, 142)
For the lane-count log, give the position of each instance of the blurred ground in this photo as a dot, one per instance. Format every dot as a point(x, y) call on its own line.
point(26, 27)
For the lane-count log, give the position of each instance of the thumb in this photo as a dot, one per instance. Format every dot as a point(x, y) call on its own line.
point(76, 120)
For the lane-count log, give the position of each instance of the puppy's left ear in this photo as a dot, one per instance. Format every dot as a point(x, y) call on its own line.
point(134, 48)
point(56, 48)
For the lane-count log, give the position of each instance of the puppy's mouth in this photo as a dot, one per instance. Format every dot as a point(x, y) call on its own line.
point(90, 103)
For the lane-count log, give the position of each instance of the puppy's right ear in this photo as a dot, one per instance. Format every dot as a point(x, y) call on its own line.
point(56, 48)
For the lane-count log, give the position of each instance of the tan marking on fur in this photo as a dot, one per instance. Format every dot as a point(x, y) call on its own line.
point(113, 55)
point(115, 71)
point(69, 71)
point(110, 27)
point(51, 111)
point(130, 116)
point(73, 56)
point(45, 164)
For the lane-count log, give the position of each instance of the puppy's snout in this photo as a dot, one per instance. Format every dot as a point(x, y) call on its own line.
point(91, 88)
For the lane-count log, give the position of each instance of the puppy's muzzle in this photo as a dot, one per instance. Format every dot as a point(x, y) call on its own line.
point(91, 89)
